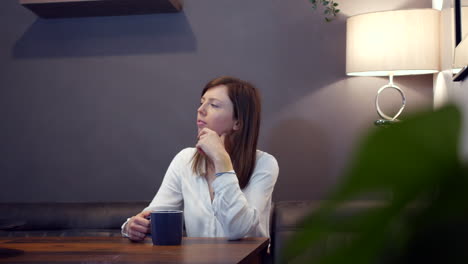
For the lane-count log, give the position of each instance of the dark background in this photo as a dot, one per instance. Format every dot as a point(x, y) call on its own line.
point(94, 109)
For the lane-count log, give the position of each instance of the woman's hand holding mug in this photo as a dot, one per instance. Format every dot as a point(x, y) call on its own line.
point(138, 226)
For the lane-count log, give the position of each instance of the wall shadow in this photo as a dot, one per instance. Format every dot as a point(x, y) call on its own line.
point(304, 157)
point(313, 68)
point(106, 36)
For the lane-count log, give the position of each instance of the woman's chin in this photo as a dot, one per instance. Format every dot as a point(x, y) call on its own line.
point(200, 127)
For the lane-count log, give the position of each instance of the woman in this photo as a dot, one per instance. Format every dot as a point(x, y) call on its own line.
point(225, 184)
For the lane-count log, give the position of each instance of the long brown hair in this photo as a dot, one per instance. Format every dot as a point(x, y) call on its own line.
point(241, 144)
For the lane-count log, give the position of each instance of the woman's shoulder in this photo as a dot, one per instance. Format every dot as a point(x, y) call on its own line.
point(187, 152)
point(185, 155)
point(266, 168)
point(265, 159)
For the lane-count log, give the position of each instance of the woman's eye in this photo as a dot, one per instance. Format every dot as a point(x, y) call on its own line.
point(215, 106)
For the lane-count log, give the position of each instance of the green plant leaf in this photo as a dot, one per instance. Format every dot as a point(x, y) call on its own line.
point(329, 5)
point(409, 160)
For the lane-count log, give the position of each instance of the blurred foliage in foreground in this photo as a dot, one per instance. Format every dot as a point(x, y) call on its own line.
point(425, 221)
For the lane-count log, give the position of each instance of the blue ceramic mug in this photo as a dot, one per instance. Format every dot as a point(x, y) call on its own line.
point(166, 227)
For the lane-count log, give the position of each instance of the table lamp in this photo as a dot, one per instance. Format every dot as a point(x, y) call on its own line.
point(392, 43)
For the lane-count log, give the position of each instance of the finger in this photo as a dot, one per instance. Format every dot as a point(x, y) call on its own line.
point(141, 221)
point(200, 149)
point(134, 237)
point(139, 228)
point(202, 137)
point(145, 214)
point(202, 132)
point(140, 234)
point(206, 130)
point(136, 228)
point(137, 236)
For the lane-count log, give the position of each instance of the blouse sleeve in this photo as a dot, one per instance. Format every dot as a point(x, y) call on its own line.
point(169, 195)
point(238, 213)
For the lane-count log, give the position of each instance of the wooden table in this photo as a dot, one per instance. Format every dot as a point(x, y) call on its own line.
point(121, 250)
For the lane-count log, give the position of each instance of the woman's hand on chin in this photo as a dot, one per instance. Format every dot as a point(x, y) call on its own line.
point(210, 143)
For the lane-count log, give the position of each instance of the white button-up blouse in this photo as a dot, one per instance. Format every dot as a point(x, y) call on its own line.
point(233, 213)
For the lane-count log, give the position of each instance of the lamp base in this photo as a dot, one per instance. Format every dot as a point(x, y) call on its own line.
point(384, 122)
point(387, 120)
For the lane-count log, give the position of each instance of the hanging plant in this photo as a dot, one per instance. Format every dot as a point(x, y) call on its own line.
point(330, 8)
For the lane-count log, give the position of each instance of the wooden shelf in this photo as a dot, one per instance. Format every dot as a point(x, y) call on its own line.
point(84, 8)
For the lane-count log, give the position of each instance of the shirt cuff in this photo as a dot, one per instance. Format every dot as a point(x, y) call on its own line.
point(225, 181)
point(122, 228)
point(218, 174)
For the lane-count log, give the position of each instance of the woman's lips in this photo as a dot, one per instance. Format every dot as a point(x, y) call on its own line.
point(201, 123)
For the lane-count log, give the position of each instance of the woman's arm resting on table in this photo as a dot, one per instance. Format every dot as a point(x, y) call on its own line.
point(169, 196)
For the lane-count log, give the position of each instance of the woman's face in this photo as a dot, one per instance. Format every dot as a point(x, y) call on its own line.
point(216, 111)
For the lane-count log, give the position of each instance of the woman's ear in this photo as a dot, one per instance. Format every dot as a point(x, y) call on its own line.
point(236, 125)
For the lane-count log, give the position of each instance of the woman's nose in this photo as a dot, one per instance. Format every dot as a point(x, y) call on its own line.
point(201, 109)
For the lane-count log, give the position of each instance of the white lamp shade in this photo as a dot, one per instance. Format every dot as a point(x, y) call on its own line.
point(399, 42)
point(464, 20)
point(461, 54)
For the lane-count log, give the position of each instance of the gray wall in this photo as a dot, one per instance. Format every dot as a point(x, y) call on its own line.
point(94, 109)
